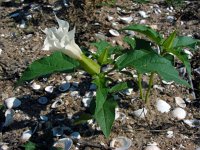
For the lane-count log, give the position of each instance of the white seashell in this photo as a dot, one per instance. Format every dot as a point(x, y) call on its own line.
point(4, 146)
point(64, 87)
point(180, 102)
point(188, 53)
point(143, 21)
point(197, 70)
point(128, 91)
point(90, 94)
point(75, 135)
point(143, 14)
point(122, 143)
point(35, 86)
point(68, 77)
point(65, 143)
point(57, 131)
point(23, 25)
point(114, 32)
point(12, 102)
point(152, 147)
point(167, 82)
point(75, 94)
point(0, 51)
point(110, 18)
point(9, 117)
point(49, 89)
point(129, 32)
point(162, 106)
point(26, 135)
point(141, 113)
point(57, 103)
point(170, 19)
point(86, 101)
point(192, 123)
point(120, 116)
point(44, 118)
point(115, 25)
point(158, 87)
point(126, 20)
point(43, 100)
point(170, 134)
point(179, 113)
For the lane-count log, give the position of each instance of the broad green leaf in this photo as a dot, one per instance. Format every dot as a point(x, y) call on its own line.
point(106, 116)
point(169, 41)
point(29, 146)
point(184, 41)
point(130, 41)
point(56, 62)
point(143, 44)
point(101, 45)
point(83, 118)
point(146, 62)
point(101, 96)
point(150, 33)
point(119, 87)
point(103, 58)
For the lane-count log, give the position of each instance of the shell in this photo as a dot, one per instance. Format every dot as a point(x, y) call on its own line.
point(192, 123)
point(158, 87)
point(126, 20)
point(12, 102)
point(114, 32)
point(35, 86)
point(57, 131)
point(162, 106)
point(43, 100)
point(167, 82)
point(124, 142)
point(140, 112)
point(57, 103)
point(152, 147)
point(68, 77)
point(170, 134)
point(75, 135)
point(197, 70)
point(128, 91)
point(143, 14)
point(4, 146)
point(9, 117)
point(44, 118)
point(49, 89)
point(180, 102)
point(26, 135)
point(65, 143)
point(110, 18)
point(170, 19)
point(64, 87)
point(179, 113)
point(86, 101)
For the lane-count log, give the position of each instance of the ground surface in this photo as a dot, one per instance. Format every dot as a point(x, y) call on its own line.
point(20, 46)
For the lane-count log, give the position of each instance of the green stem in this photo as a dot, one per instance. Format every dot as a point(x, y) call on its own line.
point(140, 85)
point(149, 88)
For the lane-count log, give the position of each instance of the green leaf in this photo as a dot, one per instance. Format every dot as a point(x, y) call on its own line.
point(169, 41)
point(83, 118)
point(150, 33)
point(56, 62)
point(119, 87)
point(106, 116)
point(130, 41)
point(143, 44)
point(101, 45)
point(103, 58)
point(146, 62)
point(30, 146)
point(185, 41)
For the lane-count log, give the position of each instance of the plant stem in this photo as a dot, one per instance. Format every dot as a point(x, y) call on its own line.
point(149, 88)
point(140, 85)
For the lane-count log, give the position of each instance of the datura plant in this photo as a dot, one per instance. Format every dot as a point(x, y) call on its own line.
point(153, 56)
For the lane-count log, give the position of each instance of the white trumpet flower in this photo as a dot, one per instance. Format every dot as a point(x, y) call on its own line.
point(62, 39)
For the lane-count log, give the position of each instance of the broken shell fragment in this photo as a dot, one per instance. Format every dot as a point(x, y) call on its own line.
point(75, 135)
point(57, 131)
point(152, 146)
point(4, 146)
point(192, 123)
point(114, 32)
point(43, 100)
point(110, 18)
point(179, 113)
point(126, 20)
point(170, 134)
point(143, 14)
point(26, 135)
point(9, 117)
point(49, 89)
point(65, 143)
point(64, 87)
point(141, 113)
point(68, 77)
point(12, 102)
point(35, 86)
point(57, 103)
point(86, 101)
point(167, 82)
point(180, 102)
point(162, 106)
point(121, 143)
